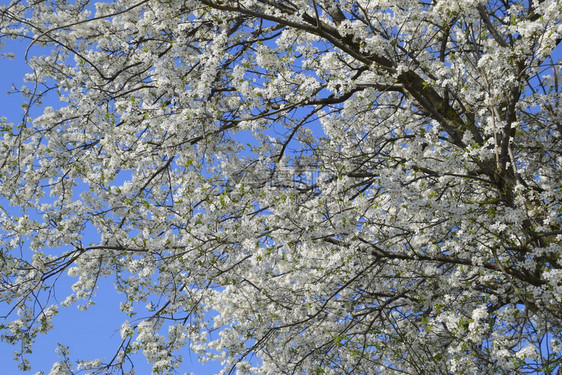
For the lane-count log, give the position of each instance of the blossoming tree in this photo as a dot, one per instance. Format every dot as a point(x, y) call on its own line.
point(305, 186)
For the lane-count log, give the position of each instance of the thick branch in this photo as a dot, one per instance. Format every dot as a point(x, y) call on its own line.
point(378, 252)
point(438, 108)
point(491, 28)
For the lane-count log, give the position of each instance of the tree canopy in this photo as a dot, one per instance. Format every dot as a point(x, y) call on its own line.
point(304, 186)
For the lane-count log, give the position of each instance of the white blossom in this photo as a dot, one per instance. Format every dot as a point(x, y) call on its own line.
point(290, 187)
